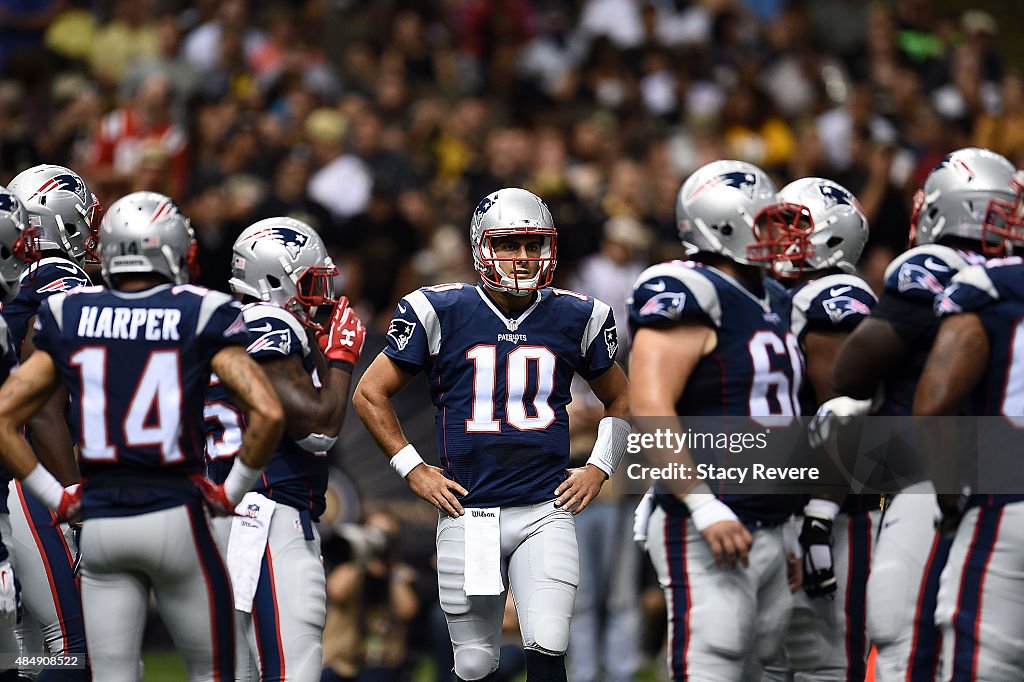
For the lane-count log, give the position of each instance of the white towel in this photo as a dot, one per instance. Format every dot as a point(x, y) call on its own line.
point(640, 518)
point(246, 544)
point(483, 551)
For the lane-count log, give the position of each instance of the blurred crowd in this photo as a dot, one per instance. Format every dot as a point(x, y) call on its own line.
point(383, 123)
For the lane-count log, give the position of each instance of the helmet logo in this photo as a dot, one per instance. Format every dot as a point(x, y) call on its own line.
point(292, 240)
point(957, 165)
point(484, 206)
point(834, 196)
point(163, 209)
point(66, 182)
point(743, 181)
point(8, 203)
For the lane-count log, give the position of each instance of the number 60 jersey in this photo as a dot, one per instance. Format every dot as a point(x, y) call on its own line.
point(501, 385)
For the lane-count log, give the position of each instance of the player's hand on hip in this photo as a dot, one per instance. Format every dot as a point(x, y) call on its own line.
point(214, 496)
point(9, 595)
point(343, 338)
point(432, 485)
point(730, 542)
point(70, 509)
point(580, 488)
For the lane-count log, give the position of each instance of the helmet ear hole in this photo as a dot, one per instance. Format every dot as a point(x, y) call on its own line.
point(5, 253)
point(273, 282)
point(725, 229)
point(834, 242)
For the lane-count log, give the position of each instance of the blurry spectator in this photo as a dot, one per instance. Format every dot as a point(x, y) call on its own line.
point(343, 181)
point(753, 132)
point(836, 126)
point(126, 132)
point(550, 58)
point(387, 166)
point(183, 77)
point(131, 35)
point(21, 35)
point(286, 53)
point(968, 94)
point(202, 46)
point(1004, 132)
point(77, 110)
point(370, 603)
point(17, 149)
point(288, 196)
point(617, 20)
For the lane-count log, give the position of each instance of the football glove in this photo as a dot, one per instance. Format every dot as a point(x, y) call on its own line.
point(70, 508)
point(343, 339)
point(10, 595)
point(214, 495)
point(816, 542)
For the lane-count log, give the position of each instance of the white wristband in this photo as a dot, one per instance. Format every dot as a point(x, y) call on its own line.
point(706, 509)
point(239, 480)
point(47, 489)
point(405, 460)
point(610, 445)
point(821, 509)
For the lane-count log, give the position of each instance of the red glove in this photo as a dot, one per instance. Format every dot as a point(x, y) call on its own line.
point(343, 339)
point(216, 499)
point(70, 508)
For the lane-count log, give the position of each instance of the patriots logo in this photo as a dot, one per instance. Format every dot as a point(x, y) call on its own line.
point(401, 332)
point(835, 195)
point(277, 341)
point(293, 240)
point(744, 182)
point(956, 164)
point(252, 510)
point(669, 304)
point(945, 304)
point(8, 203)
point(913, 276)
point(841, 307)
point(64, 182)
point(62, 284)
point(484, 206)
point(611, 340)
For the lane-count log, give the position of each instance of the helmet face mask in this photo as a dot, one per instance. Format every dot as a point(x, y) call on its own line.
point(283, 261)
point(784, 232)
point(1004, 221)
point(513, 212)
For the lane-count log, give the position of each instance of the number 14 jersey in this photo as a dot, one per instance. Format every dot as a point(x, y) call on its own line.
point(501, 385)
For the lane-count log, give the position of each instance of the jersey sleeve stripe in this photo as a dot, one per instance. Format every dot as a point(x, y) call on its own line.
point(594, 325)
point(977, 277)
point(211, 301)
point(428, 318)
point(56, 303)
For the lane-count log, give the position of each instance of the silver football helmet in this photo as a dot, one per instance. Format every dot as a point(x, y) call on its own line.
point(816, 224)
point(716, 207)
point(957, 197)
point(506, 213)
point(146, 232)
point(61, 208)
point(283, 261)
point(18, 244)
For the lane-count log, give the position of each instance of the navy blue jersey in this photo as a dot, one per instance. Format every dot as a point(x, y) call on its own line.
point(8, 361)
point(294, 476)
point(136, 366)
point(912, 281)
point(834, 303)
point(41, 280)
point(756, 368)
point(500, 385)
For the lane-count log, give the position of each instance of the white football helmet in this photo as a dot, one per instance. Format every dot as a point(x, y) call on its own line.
point(512, 212)
point(146, 232)
point(61, 208)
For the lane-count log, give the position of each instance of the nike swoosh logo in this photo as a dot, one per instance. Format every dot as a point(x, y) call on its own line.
point(656, 286)
point(819, 525)
point(402, 309)
point(67, 268)
point(838, 290)
point(933, 264)
point(266, 328)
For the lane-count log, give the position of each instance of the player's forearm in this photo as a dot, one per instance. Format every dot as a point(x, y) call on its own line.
point(374, 409)
point(262, 435)
point(52, 441)
point(15, 452)
point(333, 403)
point(253, 392)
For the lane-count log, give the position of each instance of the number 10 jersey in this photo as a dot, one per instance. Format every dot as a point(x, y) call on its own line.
point(500, 384)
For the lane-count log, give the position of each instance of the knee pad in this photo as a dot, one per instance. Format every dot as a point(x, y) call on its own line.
point(549, 633)
point(542, 667)
point(474, 663)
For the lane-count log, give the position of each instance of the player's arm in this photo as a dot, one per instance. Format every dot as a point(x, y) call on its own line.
point(583, 484)
point(821, 349)
point(254, 394)
point(311, 416)
point(871, 351)
point(22, 395)
point(51, 437)
point(654, 392)
point(372, 400)
point(955, 365)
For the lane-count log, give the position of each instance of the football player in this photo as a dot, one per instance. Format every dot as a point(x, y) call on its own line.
point(63, 211)
point(713, 337)
point(17, 249)
point(501, 356)
point(887, 352)
point(974, 368)
point(281, 271)
point(136, 361)
point(812, 239)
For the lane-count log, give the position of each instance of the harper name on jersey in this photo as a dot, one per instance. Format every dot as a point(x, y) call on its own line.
point(500, 385)
point(294, 476)
point(148, 430)
point(755, 370)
